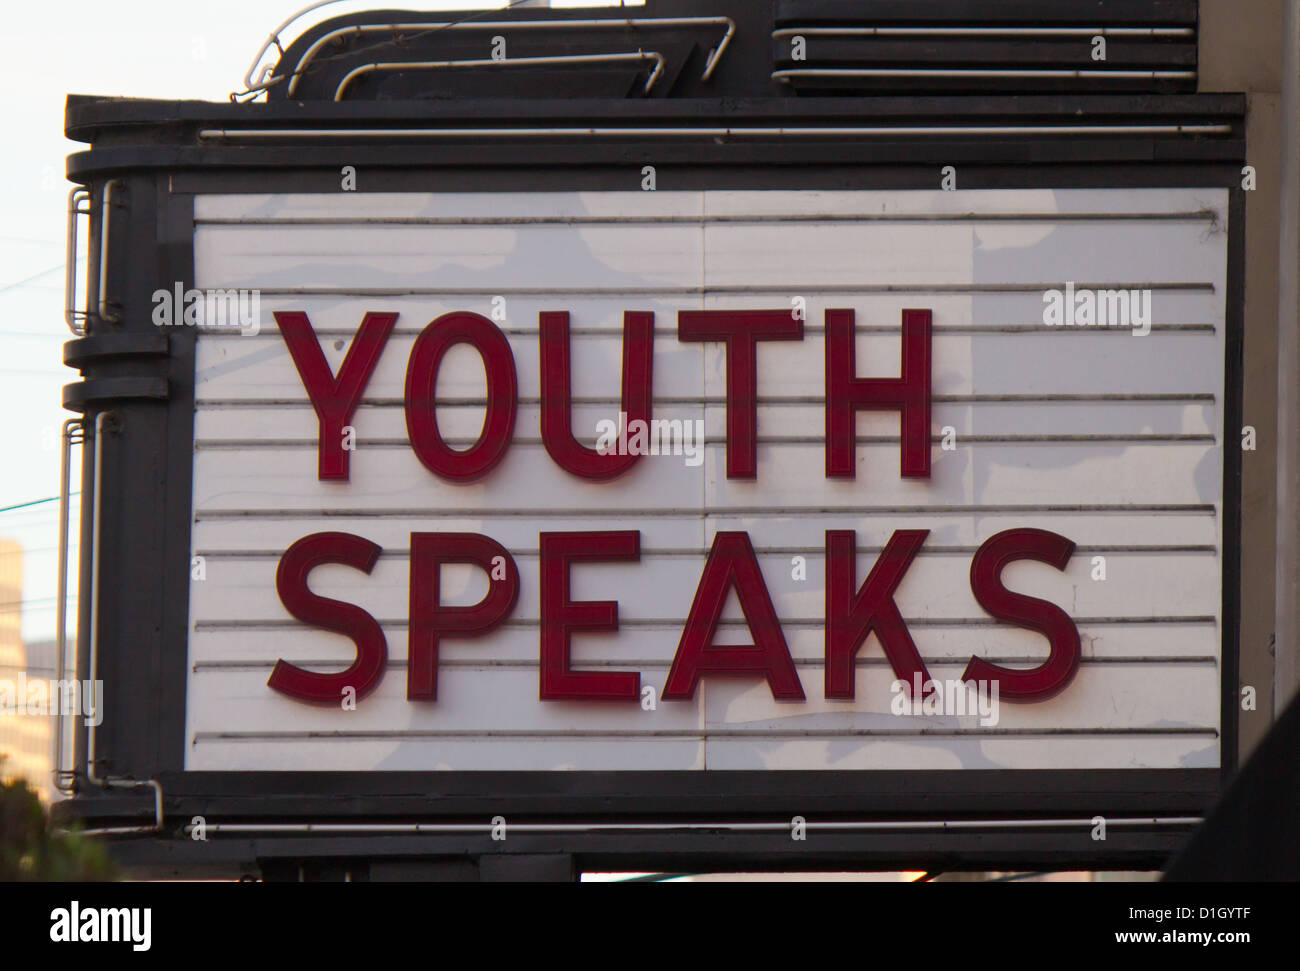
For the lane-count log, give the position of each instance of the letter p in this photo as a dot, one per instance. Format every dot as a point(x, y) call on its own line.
point(431, 620)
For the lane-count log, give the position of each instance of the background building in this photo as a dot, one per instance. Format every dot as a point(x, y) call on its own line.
point(25, 740)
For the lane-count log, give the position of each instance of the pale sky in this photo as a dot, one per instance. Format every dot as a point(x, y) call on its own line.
point(138, 48)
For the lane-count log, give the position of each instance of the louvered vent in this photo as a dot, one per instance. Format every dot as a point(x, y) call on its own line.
point(824, 47)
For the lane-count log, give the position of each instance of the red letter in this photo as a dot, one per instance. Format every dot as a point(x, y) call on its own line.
point(335, 399)
point(732, 563)
point(741, 330)
point(430, 619)
point(1050, 677)
point(560, 617)
point(557, 422)
point(331, 615)
point(847, 394)
point(502, 395)
point(851, 618)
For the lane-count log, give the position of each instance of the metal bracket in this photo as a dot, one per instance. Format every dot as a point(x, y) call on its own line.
point(117, 783)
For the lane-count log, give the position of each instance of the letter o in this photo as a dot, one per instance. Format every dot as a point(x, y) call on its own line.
point(502, 396)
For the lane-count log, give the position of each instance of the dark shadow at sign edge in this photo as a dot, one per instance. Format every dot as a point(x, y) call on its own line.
point(1253, 832)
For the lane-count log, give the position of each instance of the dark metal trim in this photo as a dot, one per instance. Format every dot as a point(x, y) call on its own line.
point(1234, 358)
point(77, 397)
point(89, 118)
point(98, 347)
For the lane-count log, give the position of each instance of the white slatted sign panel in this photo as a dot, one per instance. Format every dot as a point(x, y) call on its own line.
point(1110, 439)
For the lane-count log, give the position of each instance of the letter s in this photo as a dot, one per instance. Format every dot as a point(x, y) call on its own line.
point(331, 615)
point(1052, 676)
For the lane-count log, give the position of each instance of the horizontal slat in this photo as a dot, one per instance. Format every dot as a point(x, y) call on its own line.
point(1189, 531)
point(1007, 13)
point(718, 255)
point(659, 588)
point(666, 204)
point(973, 423)
point(1050, 361)
point(1137, 699)
point(1082, 752)
point(646, 648)
point(257, 479)
point(1013, 52)
point(1079, 752)
point(862, 81)
point(962, 309)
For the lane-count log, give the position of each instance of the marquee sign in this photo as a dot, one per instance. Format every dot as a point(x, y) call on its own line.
point(710, 481)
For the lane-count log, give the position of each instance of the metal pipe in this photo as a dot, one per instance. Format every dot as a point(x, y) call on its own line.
point(509, 62)
point(924, 825)
point(106, 207)
point(982, 32)
point(705, 132)
point(96, 507)
point(73, 434)
point(360, 29)
point(889, 72)
point(74, 318)
point(92, 757)
point(273, 40)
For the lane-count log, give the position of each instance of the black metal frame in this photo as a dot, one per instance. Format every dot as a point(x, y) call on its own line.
point(154, 148)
